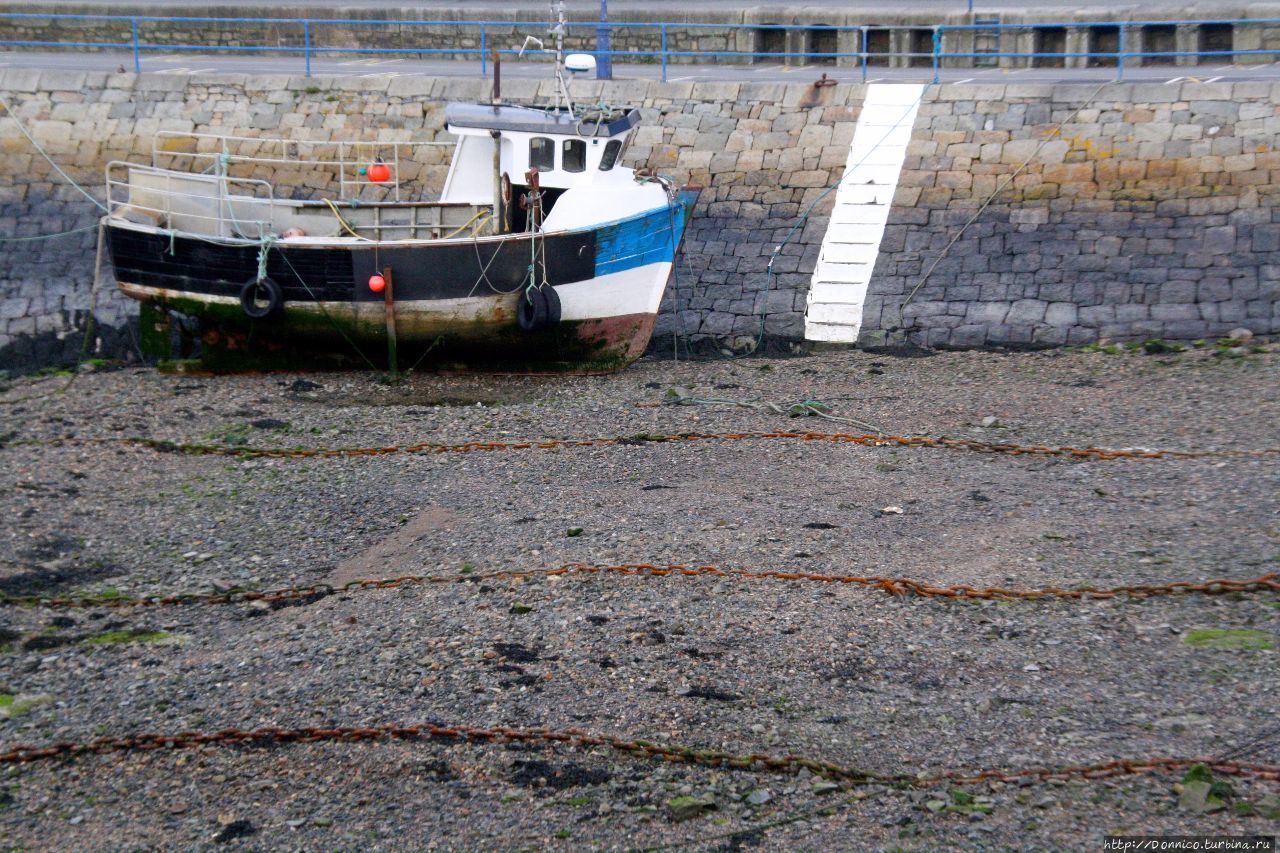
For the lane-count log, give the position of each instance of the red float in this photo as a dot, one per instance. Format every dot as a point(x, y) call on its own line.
point(377, 283)
point(379, 172)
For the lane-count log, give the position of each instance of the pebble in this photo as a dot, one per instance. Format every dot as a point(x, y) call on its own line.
point(1240, 335)
point(797, 653)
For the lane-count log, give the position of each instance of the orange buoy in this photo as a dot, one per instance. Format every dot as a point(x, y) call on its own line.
point(377, 283)
point(294, 232)
point(379, 172)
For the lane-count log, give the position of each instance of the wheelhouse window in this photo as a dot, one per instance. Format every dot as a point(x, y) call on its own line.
point(542, 154)
point(610, 155)
point(574, 156)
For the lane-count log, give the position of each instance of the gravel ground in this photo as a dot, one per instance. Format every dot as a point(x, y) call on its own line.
point(840, 673)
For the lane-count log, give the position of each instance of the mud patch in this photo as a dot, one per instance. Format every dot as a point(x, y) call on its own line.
point(420, 392)
point(394, 555)
point(542, 774)
point(47, 567)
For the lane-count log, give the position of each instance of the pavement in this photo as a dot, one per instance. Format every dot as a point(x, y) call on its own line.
point(689, 9)
point(347, 66)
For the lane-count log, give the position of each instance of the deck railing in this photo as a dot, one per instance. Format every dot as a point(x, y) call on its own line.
point(349, 159)
point(192, 203)
point(941, 47)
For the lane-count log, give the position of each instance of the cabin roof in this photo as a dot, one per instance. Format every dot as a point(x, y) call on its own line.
point(535, 120)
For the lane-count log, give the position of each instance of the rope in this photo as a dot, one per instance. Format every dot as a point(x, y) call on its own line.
point(324, 313)
point(343, 222)
point(49, 236)
point(481, 215)
point(88, 323)
point(9, 111)
point(264, 247)
point(999, 189)
point(804, 217)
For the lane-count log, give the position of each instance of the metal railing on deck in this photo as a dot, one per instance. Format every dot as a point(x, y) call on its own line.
point(195, 204)
point(348, 158)
point(939, 48)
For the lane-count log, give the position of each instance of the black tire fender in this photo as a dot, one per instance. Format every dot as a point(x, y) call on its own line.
point(260, 298)
point(538, 308)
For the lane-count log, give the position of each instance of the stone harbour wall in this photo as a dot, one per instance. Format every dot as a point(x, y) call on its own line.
point(1150, 214)
point(762, 152)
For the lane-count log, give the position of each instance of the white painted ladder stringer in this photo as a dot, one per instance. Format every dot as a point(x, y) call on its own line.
point(863, 199)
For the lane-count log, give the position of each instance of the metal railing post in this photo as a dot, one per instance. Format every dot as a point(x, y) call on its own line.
point(604, 44)
point(864, 54)
point(1120, 51)
point(306, 44)
point(664, 53)
point(484, 53)
point(937, 52)
point(137, 52)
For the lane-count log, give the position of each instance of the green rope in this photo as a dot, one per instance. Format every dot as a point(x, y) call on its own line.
point(264, 247)
point(9, 112)
point(49, 236)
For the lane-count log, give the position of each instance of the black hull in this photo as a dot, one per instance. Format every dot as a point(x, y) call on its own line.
point(341, 274)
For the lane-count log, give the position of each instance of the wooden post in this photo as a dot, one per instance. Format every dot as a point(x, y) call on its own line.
point(495, 224)
point(389, 299)
point(496, 220)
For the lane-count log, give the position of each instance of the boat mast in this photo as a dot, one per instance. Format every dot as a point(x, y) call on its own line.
point(562, 86)
point(558, 30)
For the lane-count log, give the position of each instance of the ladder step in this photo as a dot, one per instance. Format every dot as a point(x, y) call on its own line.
point(851, 246)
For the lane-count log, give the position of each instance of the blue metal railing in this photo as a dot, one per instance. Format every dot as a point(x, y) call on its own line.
point(948, 43)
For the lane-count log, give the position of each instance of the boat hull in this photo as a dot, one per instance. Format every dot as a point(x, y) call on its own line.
point(454, 301)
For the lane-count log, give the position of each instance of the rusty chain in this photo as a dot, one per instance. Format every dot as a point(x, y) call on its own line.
point(893, 586)
point(758, 762)
point(867, 440)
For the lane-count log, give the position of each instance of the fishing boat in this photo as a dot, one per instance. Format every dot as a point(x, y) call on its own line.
point(542, 250)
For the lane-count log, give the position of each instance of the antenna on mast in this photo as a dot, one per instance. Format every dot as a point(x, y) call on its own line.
point(556, 30)
point(562, 87)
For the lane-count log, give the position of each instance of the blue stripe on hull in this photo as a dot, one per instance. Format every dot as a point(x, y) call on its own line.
point(646, 239)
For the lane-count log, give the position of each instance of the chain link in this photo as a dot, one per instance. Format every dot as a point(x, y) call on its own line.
point(893, 586)
point(639, 748)
point(868, 440)
point(759, 762)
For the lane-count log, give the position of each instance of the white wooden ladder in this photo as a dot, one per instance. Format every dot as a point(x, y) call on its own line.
point(863, 199)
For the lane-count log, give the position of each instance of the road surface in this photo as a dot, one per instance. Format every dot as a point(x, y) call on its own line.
point(159, 61)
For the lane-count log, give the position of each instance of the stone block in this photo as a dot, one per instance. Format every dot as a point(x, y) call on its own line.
point(1186, 330)
point(1061, 314)
point(12, 309)
point(1171, 311)
point(1219, 241)
point(1266, 238)
point(967, 336)
point(21, 80)
point(1178, 292)
point(1026, 312)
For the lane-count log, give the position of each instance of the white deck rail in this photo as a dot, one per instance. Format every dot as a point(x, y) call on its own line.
point(212, 151)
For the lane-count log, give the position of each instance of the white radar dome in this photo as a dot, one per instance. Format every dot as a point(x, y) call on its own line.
point(580, 63)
